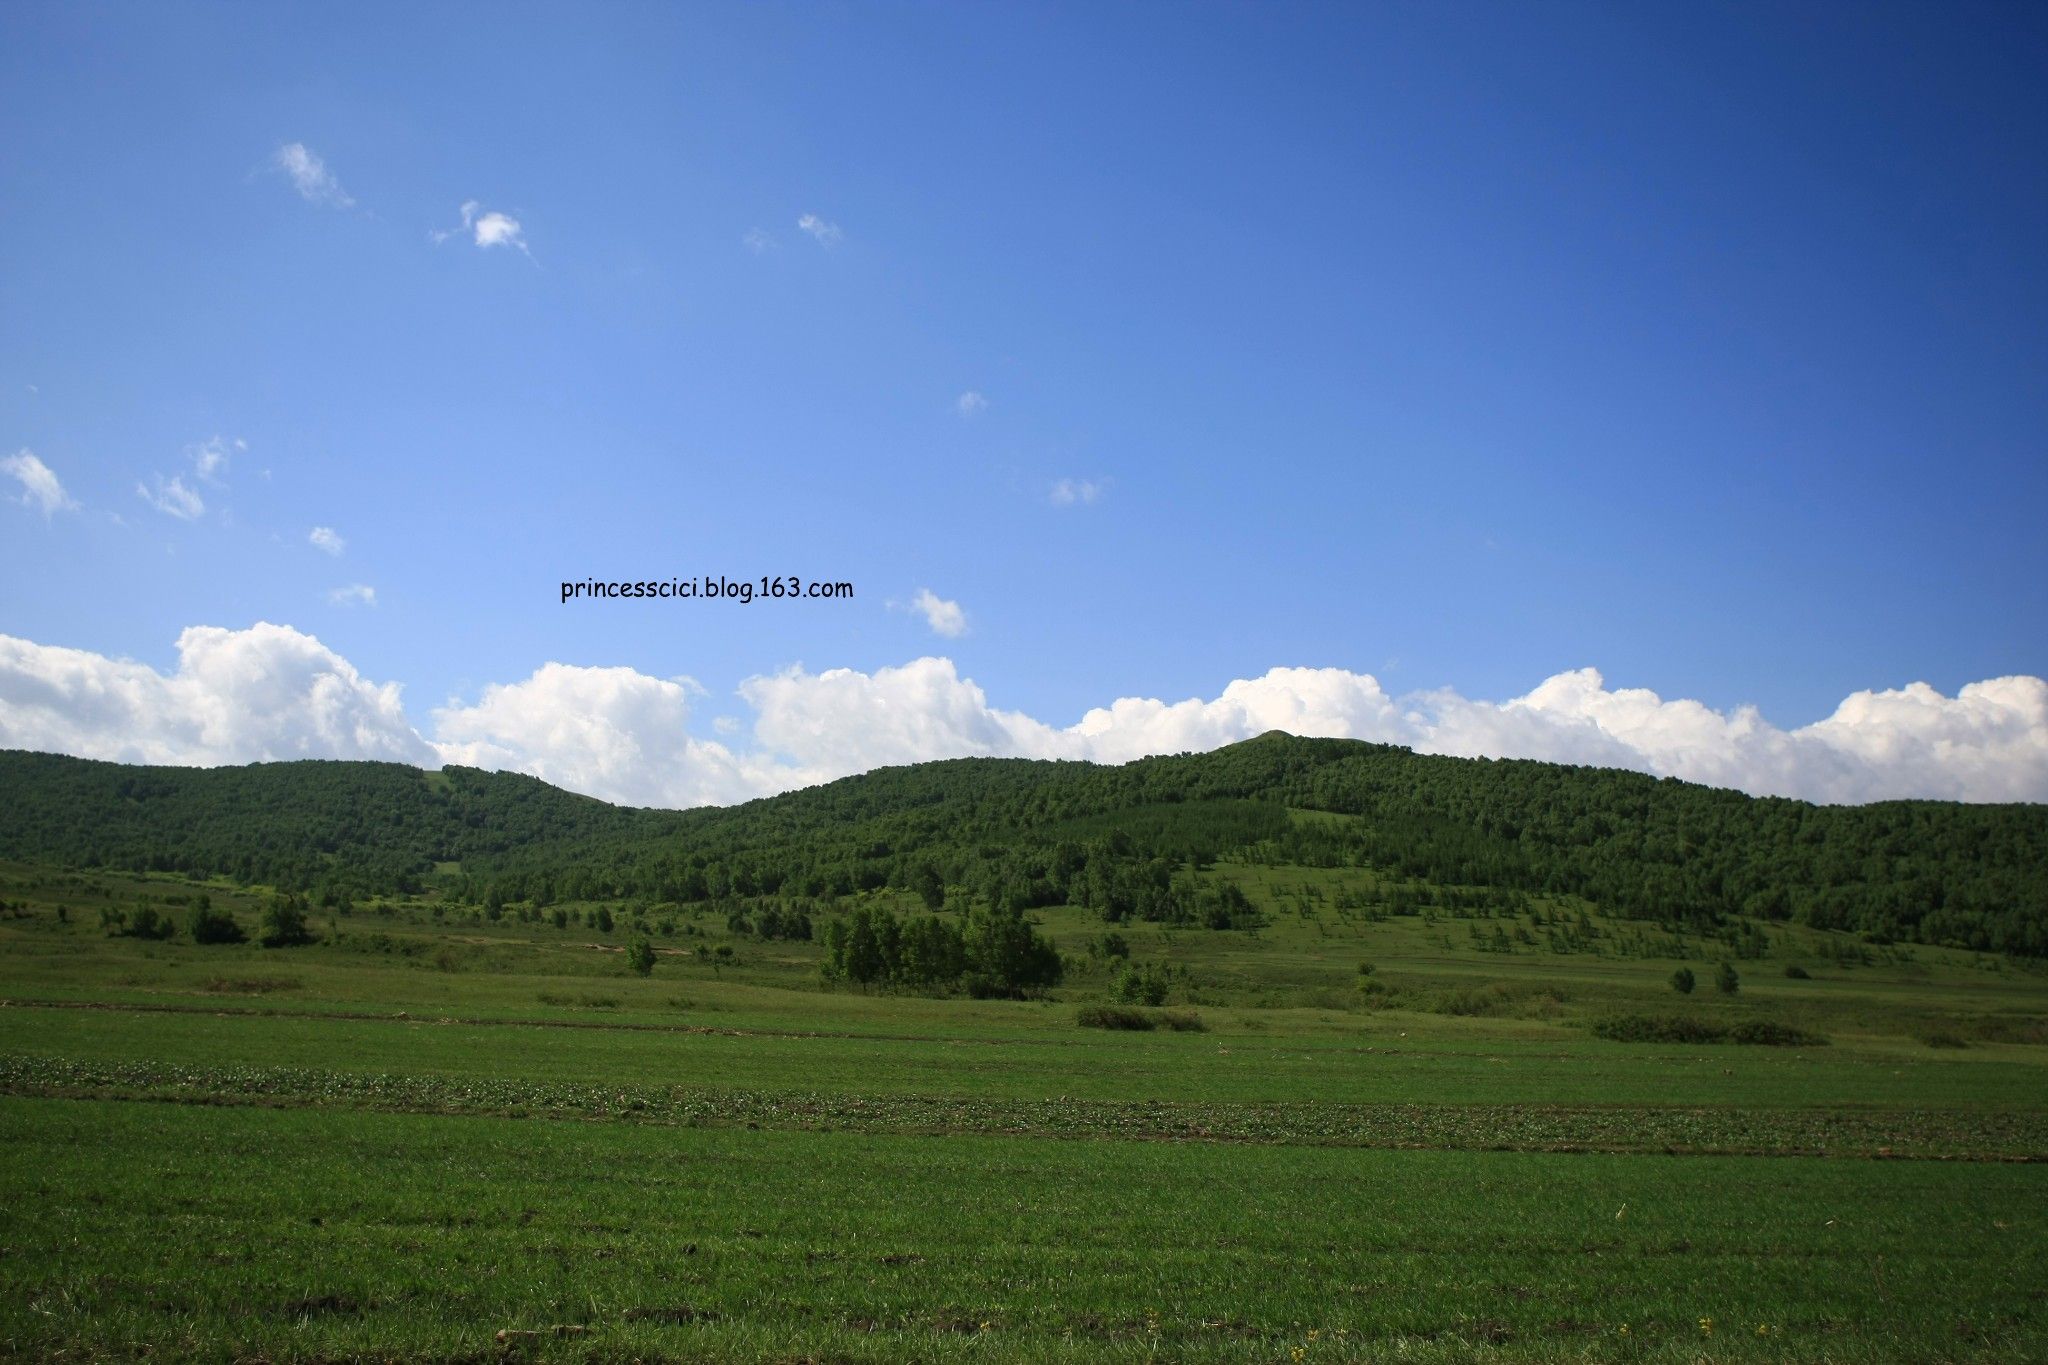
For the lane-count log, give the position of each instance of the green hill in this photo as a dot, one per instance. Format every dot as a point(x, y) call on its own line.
point(1130, 841)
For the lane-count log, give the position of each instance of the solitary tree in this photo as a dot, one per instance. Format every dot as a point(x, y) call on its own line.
point(284, 924)
point(640, 957)
point(1726, 981)
point(1682, 981)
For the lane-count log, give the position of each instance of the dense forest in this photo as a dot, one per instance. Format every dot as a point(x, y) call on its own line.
point(1130, 842)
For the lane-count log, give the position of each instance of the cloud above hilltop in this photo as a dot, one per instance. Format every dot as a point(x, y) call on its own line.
point(274, 692)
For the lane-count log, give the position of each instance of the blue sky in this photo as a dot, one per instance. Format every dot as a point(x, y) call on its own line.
point(1459, 345)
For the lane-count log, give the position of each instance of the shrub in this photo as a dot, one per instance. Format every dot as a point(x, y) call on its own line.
point(284, 925)
point(1642, 1028)
point(1135, 985)
point(1111, 945)
point(1114, 1017)
point(1941, 1037)
point(250, 985)
point(1682, 981)
point(640, 957)
point(207, 925)
point(1798, 973)
point(1366, 969)
point(1725, 979)
point(1763, 1033)
point(144, 923)
point(1183, 1021)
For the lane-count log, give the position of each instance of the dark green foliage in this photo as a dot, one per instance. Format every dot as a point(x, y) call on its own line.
point(640, 957)
point(1114, 1017)
point(1110, 946)
point(1127, 1019)
point(1642, 1028)
point(1136, 985)
point(1725, 979)
point(996, 953)
point(1131, 842)
point(1797, 972)
point(284, 924)
point(204, 924)
point(1682, 981)
point(143, 922)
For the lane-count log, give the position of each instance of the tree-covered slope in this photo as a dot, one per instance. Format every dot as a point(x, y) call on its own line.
point(1126, 840)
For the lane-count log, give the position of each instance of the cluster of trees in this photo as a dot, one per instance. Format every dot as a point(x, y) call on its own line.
point(283, 923)
point(995, 952)
point(1131, 842)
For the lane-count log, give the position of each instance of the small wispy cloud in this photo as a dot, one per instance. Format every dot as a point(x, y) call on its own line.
point(210, 457)
point(826, 234)
point(40, 486)
point(1075, 492)
point(354, 595)
point(328, 539)
point(309, 176)
point(970, 404)
point(945, 618)
point(757, 240)
point(173, 497)
point(487, 228)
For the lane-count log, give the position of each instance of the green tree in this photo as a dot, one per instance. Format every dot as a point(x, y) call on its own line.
point(640, 957)
point(284, 924)
point(1682, 981)
point(1725, 979)
point(208, 925)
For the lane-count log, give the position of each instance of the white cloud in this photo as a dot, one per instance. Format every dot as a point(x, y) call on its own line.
point(487, 228)
point(173, 498)
point(611, 732)
point(970, 404)
point(354, 595)
point(757, 240)
point(210, 457)
point(309, 176)
point(1072, 492)
point(236, 696)
point(826, 234)
point(944, 617)
point(40, 486)
point(209, 460)
point(328, 539)
point(270, 692)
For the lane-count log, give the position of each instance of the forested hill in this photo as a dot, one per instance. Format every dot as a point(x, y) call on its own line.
point(1128, 841)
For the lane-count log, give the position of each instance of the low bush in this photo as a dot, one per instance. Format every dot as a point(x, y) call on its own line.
point(250, 985)
point(1114, 1017)
point(1798, 973)
point(1499, 999)
point(1644, 1028)
point(1764, 1033)
point(1941, 1037)
point(208, 925)
point(1183, 1021)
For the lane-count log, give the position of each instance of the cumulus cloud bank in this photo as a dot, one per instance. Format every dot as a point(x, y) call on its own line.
point(273, 692)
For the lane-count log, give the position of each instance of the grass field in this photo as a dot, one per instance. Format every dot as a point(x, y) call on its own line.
point(440, 1136)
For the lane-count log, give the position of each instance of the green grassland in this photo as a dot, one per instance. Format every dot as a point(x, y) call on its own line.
point(433, 1126)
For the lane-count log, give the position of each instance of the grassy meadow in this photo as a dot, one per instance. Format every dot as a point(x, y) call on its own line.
point(438, 1134)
